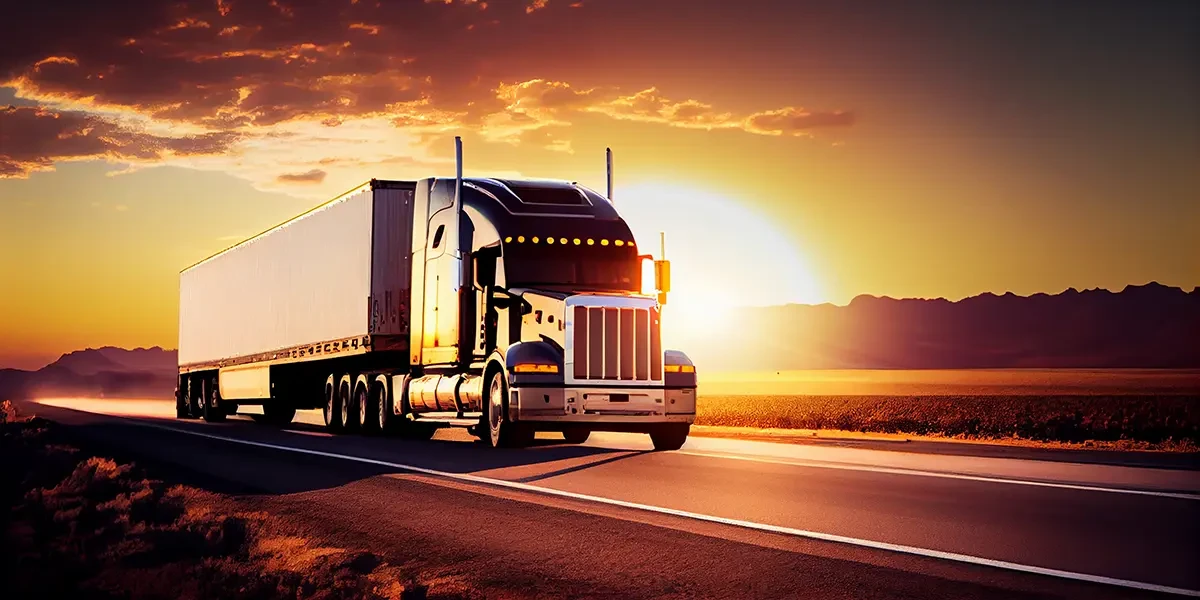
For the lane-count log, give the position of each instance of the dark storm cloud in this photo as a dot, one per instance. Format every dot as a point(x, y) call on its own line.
point(194, 60)
point(33, 139)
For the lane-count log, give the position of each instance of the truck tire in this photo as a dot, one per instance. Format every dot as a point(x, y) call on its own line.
point(192, 394)
point(333, 406)
point(576, 436)
point(277, 413)
point(383, 408)
point(214, 410)
point(669, 437)
point(368, 414)
point(349, 408)
point(181, 407)
point(498, 431)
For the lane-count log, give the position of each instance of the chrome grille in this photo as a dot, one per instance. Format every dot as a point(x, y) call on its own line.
point(616, 344)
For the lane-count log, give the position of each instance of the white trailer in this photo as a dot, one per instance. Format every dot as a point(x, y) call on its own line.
point(505, 306)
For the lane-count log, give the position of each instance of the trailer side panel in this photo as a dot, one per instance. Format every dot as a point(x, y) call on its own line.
point(303, 282)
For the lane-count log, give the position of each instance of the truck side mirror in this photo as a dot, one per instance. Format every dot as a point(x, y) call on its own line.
point(506, 299)
point(662, 275)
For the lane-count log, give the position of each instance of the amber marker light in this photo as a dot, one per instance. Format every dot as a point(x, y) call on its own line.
point(532, 368)
point(591, 242)
point(576, 240)
point(520, 239)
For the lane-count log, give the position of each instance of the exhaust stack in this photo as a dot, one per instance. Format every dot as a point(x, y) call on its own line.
point(608, 159)
point(458, 173)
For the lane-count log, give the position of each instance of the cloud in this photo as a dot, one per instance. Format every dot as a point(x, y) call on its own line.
point(538, 103)
point(794, 121)
point(308, 177)
point(34, 138)
point(259, 87)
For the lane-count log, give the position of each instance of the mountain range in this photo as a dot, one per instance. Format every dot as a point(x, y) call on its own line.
point(107, 371)
point(1146, 326)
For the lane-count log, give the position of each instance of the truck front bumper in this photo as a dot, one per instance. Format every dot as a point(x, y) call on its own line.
point(608, 408)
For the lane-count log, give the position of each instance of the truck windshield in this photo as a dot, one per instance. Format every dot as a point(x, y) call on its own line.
point(572, 269)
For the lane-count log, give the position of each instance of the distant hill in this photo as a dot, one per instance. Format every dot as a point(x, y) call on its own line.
point(1147, 326)
point(107, 371)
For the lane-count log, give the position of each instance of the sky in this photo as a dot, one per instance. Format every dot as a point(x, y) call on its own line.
point(792, 151)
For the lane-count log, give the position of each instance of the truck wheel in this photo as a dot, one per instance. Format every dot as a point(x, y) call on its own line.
point(383, 409)
point(181, 407)
point(576, 436)
point(214, 412)
point(502, 432)
point(669, 437)
point(349, 408)
point(333, 406)
point(368, 415)
point(278, 413)
point(192, 395)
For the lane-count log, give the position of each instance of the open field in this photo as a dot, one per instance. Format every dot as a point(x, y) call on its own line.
point(953, 382)
point(1169, 422)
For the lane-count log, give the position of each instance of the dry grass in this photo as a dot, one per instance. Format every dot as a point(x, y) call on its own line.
point(1159, 422)
point(89, 527)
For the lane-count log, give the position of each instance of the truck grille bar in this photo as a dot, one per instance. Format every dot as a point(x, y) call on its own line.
point(617, 344)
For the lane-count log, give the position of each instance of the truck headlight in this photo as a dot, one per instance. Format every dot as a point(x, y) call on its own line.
point(534, 368)
point(680, 368)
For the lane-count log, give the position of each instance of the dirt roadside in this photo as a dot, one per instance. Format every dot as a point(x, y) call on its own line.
point(78, 525)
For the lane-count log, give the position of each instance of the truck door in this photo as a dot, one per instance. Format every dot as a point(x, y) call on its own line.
point(443, 273)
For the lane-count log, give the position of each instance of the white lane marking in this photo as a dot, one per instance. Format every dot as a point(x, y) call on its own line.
point(901, 471)
point(828, 537)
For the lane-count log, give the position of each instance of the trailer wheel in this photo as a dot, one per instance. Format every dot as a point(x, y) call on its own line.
point(333, 406)
point(181, 407)
point(501, 431)
point(368, 414)
point(383, 409)
point(349, 408)
point(669, 437)
point(576, 436)
point(192, 397)
point(214, 412)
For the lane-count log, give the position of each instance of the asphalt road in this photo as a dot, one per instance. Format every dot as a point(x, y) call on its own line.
point(721, 518)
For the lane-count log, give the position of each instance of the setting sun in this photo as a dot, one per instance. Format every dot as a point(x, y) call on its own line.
point(723, 252)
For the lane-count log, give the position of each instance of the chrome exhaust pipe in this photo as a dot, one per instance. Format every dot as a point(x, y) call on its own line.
point(608, 159)
point(458, 173)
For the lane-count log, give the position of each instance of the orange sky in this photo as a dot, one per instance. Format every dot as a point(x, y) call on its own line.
point(935, 149)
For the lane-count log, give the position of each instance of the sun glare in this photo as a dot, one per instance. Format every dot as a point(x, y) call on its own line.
point(723, 255)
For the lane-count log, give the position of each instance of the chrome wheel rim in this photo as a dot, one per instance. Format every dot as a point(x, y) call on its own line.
point(362, 407)
point(382, 411)
point(328, 404)
point(345, 410)
point(495, 408)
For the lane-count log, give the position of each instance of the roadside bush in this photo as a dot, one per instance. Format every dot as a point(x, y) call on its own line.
point(1065, 418)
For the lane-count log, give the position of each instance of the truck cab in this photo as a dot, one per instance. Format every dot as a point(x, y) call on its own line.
point(536, 287)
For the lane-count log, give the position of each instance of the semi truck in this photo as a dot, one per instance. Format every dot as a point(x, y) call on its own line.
point(504, 306)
